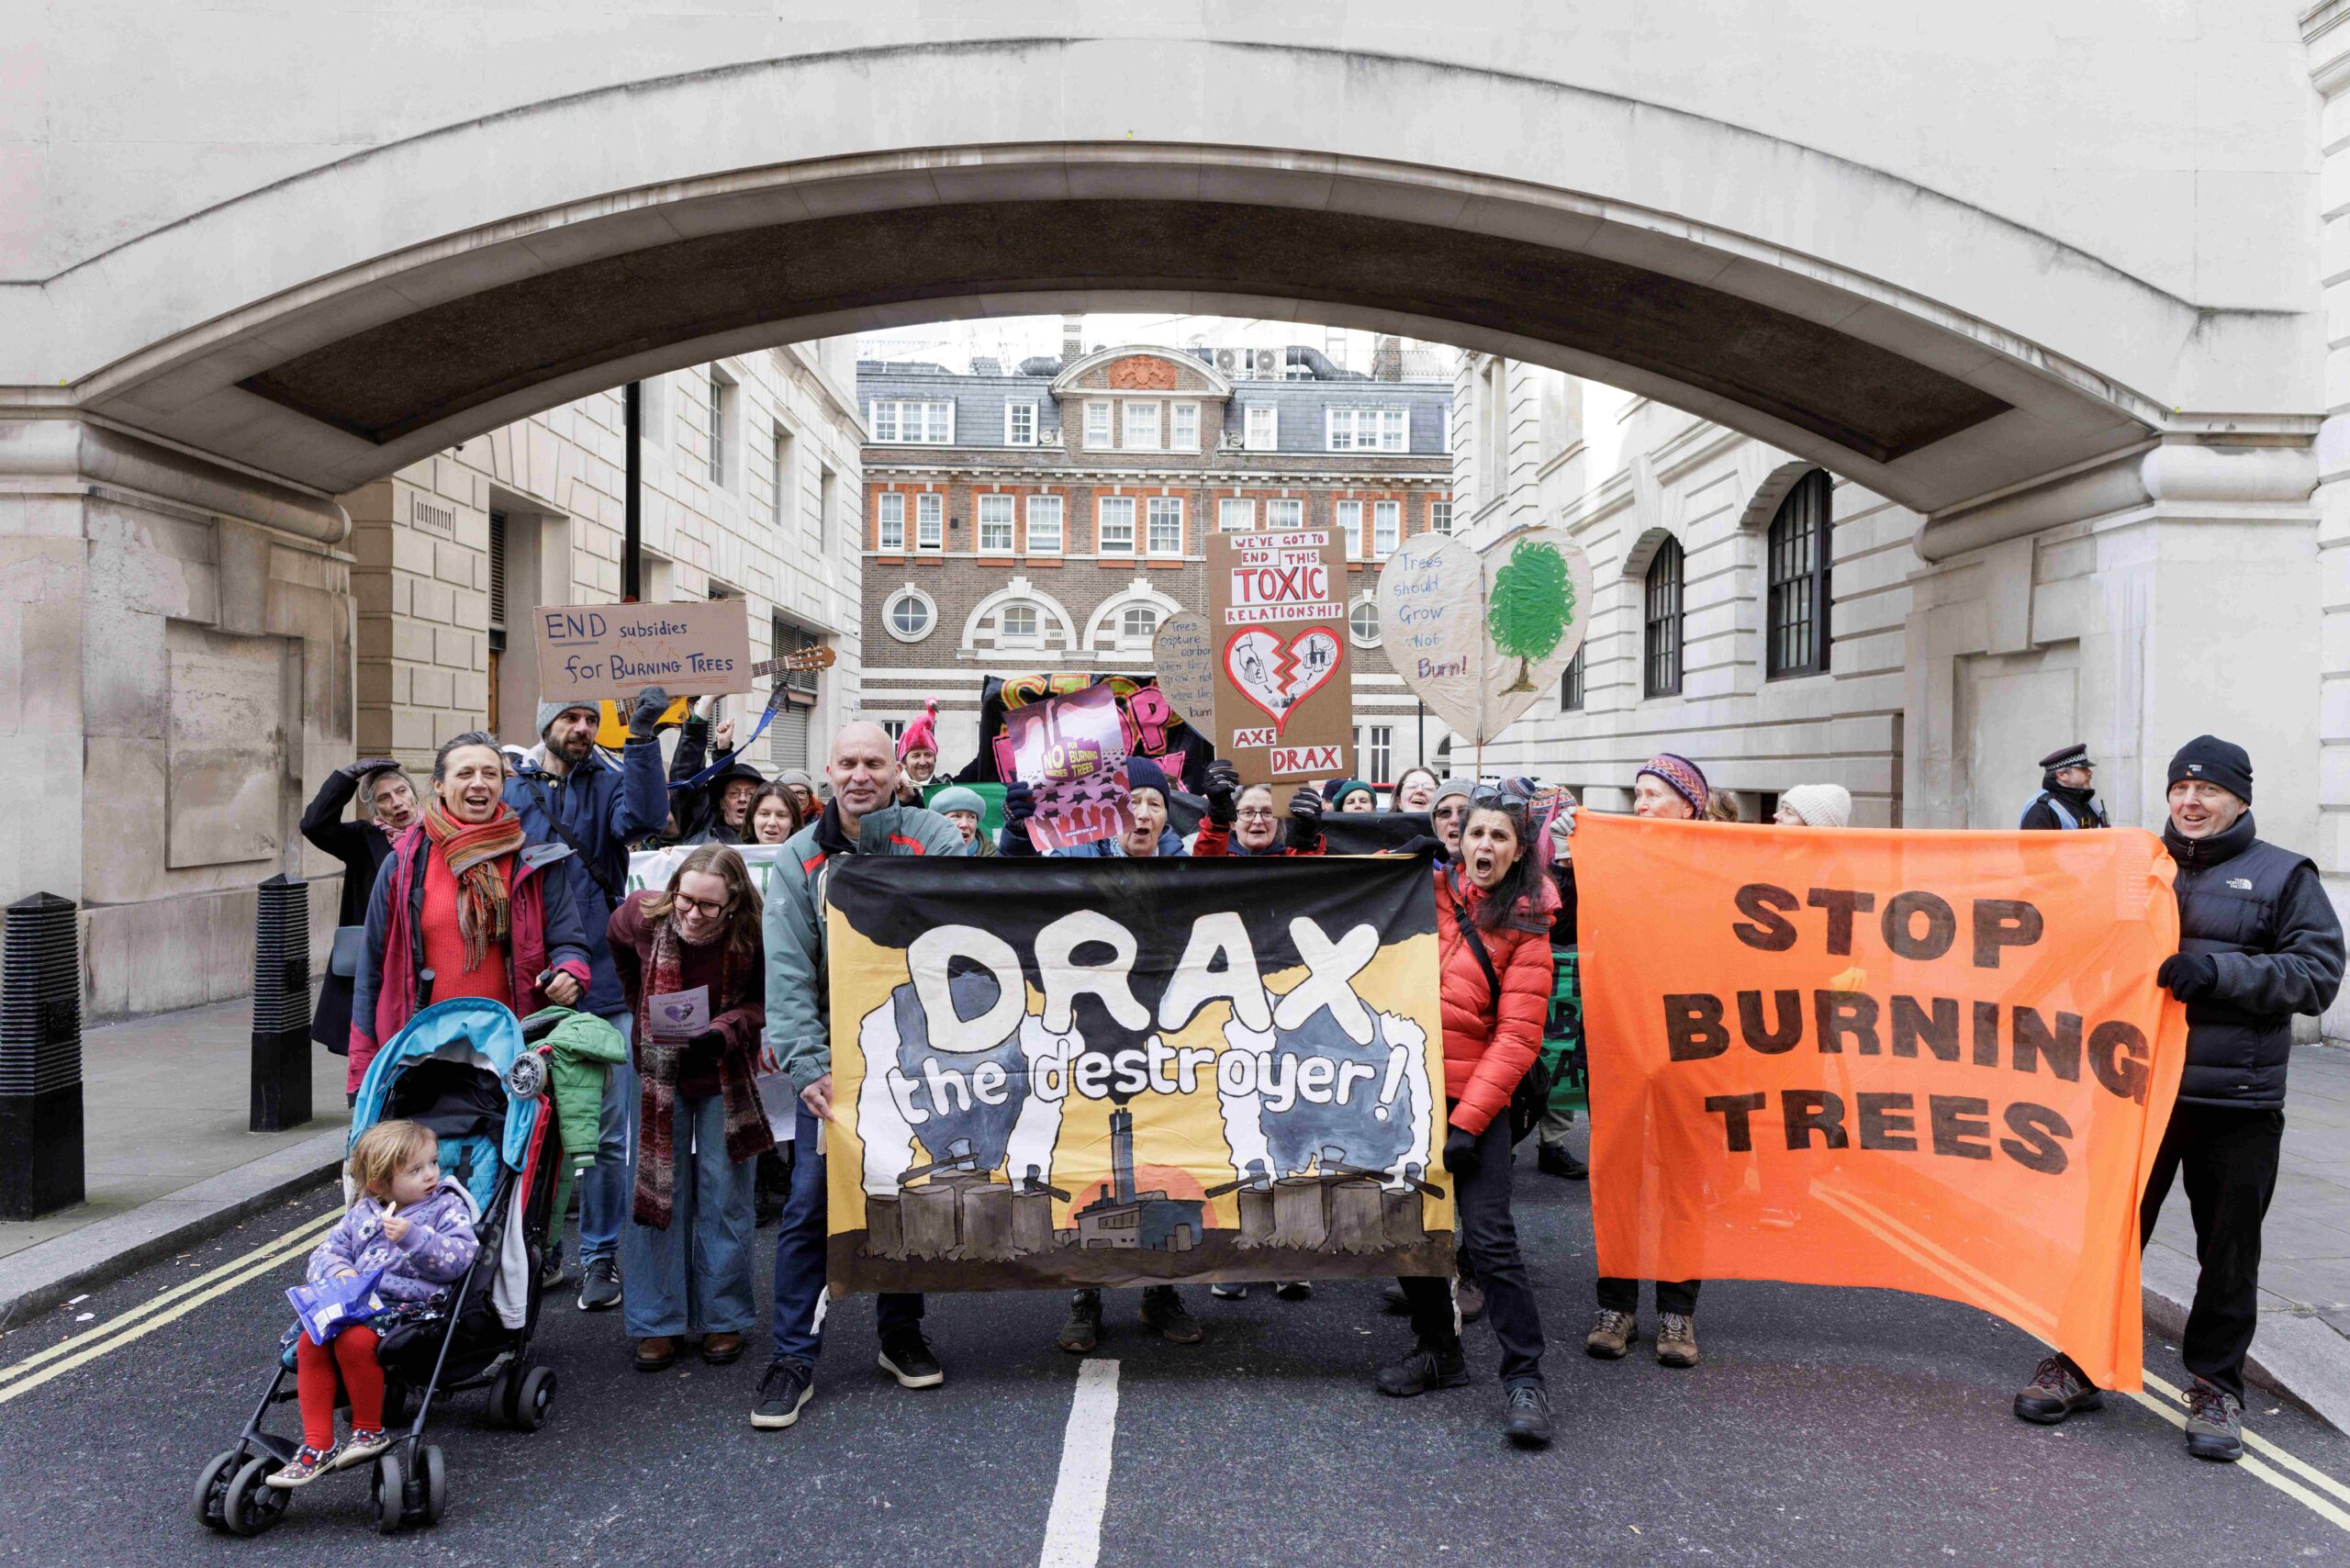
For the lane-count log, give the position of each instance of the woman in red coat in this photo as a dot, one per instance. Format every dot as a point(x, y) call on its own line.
point(1494, 905)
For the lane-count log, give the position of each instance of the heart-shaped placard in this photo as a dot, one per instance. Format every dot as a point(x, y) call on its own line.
point(1277, 676)
point(1479, 635)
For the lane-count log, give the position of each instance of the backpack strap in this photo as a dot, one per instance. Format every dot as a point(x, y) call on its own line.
point(537, 786)
point(1476, 944)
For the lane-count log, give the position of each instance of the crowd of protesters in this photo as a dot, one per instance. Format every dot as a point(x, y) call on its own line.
point(507, 878)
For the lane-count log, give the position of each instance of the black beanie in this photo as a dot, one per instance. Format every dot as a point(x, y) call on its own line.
point(2215, 761)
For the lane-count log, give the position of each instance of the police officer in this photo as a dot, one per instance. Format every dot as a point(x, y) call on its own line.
point(2068, 795)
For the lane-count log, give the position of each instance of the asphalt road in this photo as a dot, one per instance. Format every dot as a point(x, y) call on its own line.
point(1826, 1427)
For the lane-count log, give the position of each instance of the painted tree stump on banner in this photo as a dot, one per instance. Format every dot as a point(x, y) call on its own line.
point(1357, 1216)
point(1300, 1219)
point(986, 1222)
point(883, 1238)
point(928, 1215)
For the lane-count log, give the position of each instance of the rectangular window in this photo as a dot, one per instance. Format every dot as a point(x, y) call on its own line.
point(1020, 424)
point(1386, 528)
point(1368, 430)
point(721, 416)
point(1235, 516)
point(1338, 429)
point(1799, 544)
point(1394, 430)
point(930, 521)
point(1114, 525)
point(902, 423)
point(1044, 525)
point(1285, 514)
point(995, 525)
point(1571, 683)
point(1350, 524)
point(828, 502)
point(1374, 753)
point(1165, 522)
point(889, 521)
point(785, 481)
point(1440, 517)
point(1264, 426)
point(1183, 431)
point(1097, 425)
point(1141, 427)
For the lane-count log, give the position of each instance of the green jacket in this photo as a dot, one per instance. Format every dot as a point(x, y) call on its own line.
point(799, 998)
point(584, 1048)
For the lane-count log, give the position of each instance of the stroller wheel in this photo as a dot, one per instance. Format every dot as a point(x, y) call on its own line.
point(530, 1400)
point(436, 1480)
point(501, 1395)
point(212, 1489)
point(248, 1507)
point(391, 1492)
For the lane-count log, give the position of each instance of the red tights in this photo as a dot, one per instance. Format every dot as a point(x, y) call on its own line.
point(354, 1351)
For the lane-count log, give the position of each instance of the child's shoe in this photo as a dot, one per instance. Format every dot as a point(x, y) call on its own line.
point(308, 1464)
point(363, 1444)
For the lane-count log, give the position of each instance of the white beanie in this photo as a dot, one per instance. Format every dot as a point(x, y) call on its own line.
point(1820, 805)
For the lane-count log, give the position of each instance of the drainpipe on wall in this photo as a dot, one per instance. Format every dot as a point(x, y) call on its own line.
point(633, 498)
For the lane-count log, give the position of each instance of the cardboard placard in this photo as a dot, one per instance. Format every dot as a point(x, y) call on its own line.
point(1277, 617)
point(588, 651)
point(1478, 636)
point(1072, 751)
point(1184, 655)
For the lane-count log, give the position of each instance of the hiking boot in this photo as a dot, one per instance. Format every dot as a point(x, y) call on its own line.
point(1558, 1159)
point(1526, 1415)
point(2214, 1423)
point(1426, 1368)
point(363, 1444)
point(1677, 1340)
point(1295, 1290)
point(1394, 1301)
point(1081, 1331)
point(551, 1273)
point(656, 1353)
point(722, 1349)
point(784, 1391)
point(308, 1465)
point(1229, 1293)
point(2055, 1390)
point(1165, 1311)
point(905, 1355)
point(1470, 1296)
point(599, 1285)
point(1612, 1333)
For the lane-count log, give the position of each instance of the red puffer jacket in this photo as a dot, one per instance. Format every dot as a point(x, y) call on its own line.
point(1489, 1043)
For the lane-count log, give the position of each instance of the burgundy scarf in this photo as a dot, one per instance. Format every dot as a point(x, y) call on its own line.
point(748, 1135)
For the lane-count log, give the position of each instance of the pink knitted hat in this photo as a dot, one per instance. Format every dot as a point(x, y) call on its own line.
point(923, 734)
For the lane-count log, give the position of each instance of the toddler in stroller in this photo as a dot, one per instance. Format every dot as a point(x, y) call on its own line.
point(417, 1226)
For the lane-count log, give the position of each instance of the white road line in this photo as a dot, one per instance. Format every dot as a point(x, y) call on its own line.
point(1073, 1532)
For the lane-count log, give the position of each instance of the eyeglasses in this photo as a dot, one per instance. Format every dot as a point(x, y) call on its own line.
point(1257, 813)
point(685, 904)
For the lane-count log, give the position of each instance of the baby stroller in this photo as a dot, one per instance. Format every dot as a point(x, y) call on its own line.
point(464, 1068)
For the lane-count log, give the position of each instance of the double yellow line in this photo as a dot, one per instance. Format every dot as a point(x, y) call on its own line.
point(167, 1308)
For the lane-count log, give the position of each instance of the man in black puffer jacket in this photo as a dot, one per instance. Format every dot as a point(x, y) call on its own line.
point(2258, 943)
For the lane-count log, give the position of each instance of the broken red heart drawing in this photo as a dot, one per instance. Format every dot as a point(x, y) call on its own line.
point(1276, 677)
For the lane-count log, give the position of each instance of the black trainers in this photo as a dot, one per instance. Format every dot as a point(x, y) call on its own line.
point(2214, 1423)
point(1164, 1310)
point(1295, 1290)
point(1526, 1415)
point(1558, 1159)
point(1229, 1293)
point(599, 1285)
point(784, 1391)
point(906, 1356)
point(553, 1275)
point(1428, 1367)
point(2055, 1390)
point(1081, 1331)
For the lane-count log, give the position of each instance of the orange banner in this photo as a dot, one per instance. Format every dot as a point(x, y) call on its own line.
point(1928, 1061)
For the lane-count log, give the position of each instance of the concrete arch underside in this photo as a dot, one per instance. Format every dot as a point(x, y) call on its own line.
point(329, 326)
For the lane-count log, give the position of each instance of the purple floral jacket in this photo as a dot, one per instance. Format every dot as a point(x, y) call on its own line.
point(421, 1266)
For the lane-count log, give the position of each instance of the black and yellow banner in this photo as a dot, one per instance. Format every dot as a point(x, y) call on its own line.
point(1107, 1072)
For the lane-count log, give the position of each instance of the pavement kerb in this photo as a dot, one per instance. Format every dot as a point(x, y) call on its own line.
point(2298, 1357)
point(43, 1276)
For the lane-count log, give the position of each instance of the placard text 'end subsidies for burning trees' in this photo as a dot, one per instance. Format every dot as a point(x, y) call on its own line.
point(1277, 609)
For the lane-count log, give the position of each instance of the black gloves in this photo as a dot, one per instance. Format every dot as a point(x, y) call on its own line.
point(2187, 975)
point(1460, 1152)
point(365, 766)
point(1306, 809)
point(642, 718)
point(1223, 793)
point(1019, 804)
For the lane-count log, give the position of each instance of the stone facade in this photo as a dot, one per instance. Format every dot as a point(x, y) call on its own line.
point(1050, 518)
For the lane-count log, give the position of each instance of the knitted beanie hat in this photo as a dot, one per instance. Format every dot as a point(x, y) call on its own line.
point(1142, 773)
point(923, 734)
point(1820, 805)
point(1680, 776)
point(2214, 761)
point(550, 711)
point(1463, 788)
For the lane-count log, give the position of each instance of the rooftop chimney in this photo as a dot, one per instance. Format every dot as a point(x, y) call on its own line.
point(1387, 358)
point(1072, 340)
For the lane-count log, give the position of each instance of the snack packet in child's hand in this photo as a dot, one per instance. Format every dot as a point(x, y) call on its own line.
point(328, 1308)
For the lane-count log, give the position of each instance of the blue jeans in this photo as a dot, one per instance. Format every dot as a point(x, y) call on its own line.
point(604, 1190)
point(695, 1277)
point(800, 1262)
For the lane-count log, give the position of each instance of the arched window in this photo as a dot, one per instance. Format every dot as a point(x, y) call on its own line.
point(1138, 621)
point(1016, 624)
point(1661, 640)
point(1801, 552)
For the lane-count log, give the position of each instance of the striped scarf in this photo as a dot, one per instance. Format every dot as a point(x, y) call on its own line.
point(476, 853)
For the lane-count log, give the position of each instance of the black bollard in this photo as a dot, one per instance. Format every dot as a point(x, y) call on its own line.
point(41, 1058)
point(281, 1007)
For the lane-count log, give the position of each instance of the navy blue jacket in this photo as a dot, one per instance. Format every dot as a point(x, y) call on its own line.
point(603, 811)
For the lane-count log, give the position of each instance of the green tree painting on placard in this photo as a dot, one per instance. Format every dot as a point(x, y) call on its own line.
point(1533, 604)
